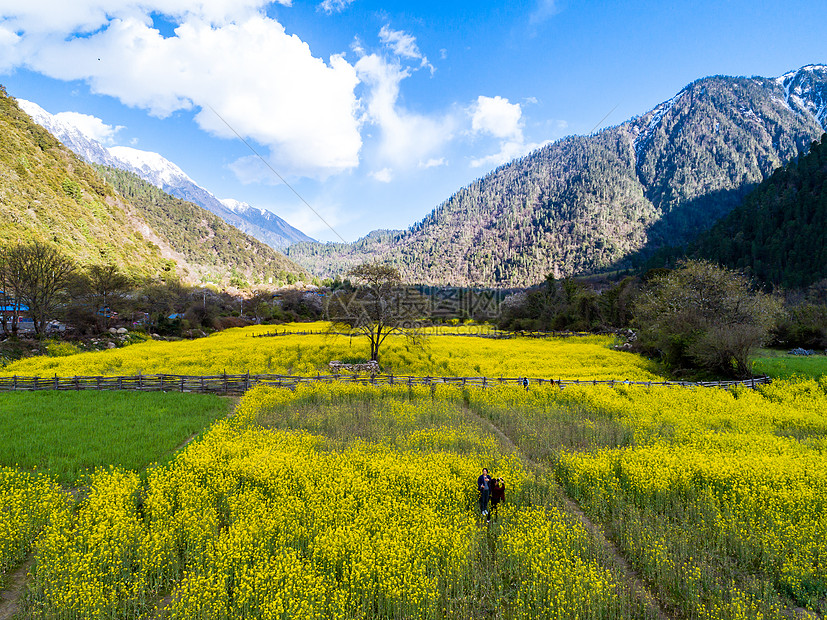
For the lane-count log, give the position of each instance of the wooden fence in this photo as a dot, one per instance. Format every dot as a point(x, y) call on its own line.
point(238, 384)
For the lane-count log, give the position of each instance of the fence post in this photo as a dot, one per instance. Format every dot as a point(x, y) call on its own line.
point(55, 380)
point(225, 381)
point(247, 382)
point(140, 381)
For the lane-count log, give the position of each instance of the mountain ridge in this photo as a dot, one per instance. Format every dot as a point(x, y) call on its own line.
point(49, 193)
point(598, 202)
point(168, 176)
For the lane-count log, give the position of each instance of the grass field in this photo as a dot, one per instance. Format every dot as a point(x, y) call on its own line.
point(69, 434)
point(236, 352)
point(782, 365)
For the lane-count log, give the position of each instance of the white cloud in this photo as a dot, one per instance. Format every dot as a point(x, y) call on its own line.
point(498, 117)
point(334, 6)
point(50, 17)
point(306, 115)
point(90, 126)
point(406, 138)
point(432, 163)
point(403, 45)
point(544, 10)
point(266, 84)
point(385, 175)
point(508, 150)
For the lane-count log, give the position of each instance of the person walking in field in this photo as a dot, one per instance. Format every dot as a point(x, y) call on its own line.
point(497, 494)
point(484, 486)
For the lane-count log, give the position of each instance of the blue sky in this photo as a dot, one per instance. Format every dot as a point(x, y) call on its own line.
point(376, 112)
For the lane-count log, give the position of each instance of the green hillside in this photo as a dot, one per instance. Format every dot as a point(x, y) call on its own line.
point(212, 249)
point(49, 194)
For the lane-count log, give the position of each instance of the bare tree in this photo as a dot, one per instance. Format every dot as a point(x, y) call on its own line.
point(106, 286)
point(377, 307)
point(40, 273)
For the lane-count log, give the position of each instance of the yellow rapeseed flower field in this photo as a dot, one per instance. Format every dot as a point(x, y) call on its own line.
point(351, 501)
point(716, 496)
point(263, 519)
point(236, 352)
point(27, 502)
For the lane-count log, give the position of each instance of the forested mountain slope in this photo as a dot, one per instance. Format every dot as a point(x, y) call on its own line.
point(48, 193)
point(587, 203)
point(164, 174)
point(204, 239)
point(779, 232)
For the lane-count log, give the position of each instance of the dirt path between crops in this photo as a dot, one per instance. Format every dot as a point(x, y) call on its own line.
point(10, 597)
point(634, 581)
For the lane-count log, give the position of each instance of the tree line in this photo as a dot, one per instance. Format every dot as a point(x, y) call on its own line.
point(39, 281)
point(697, 316)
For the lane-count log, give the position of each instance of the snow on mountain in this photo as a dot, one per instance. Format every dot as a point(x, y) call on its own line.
point(235, 205)
point(156, 169)
point(150, 166)
point(805, 88)
point(657, 116)
point(266, 219)
point(82, 144)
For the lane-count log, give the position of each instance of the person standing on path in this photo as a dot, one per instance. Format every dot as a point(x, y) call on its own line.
point(497, 494)
point(484, 486)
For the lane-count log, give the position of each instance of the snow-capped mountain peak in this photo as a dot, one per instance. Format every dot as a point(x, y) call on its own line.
point(236, 206)
point(266, 219)
point(805, 88)
point(74, 137)
point(149, 164)
point(159, 171)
